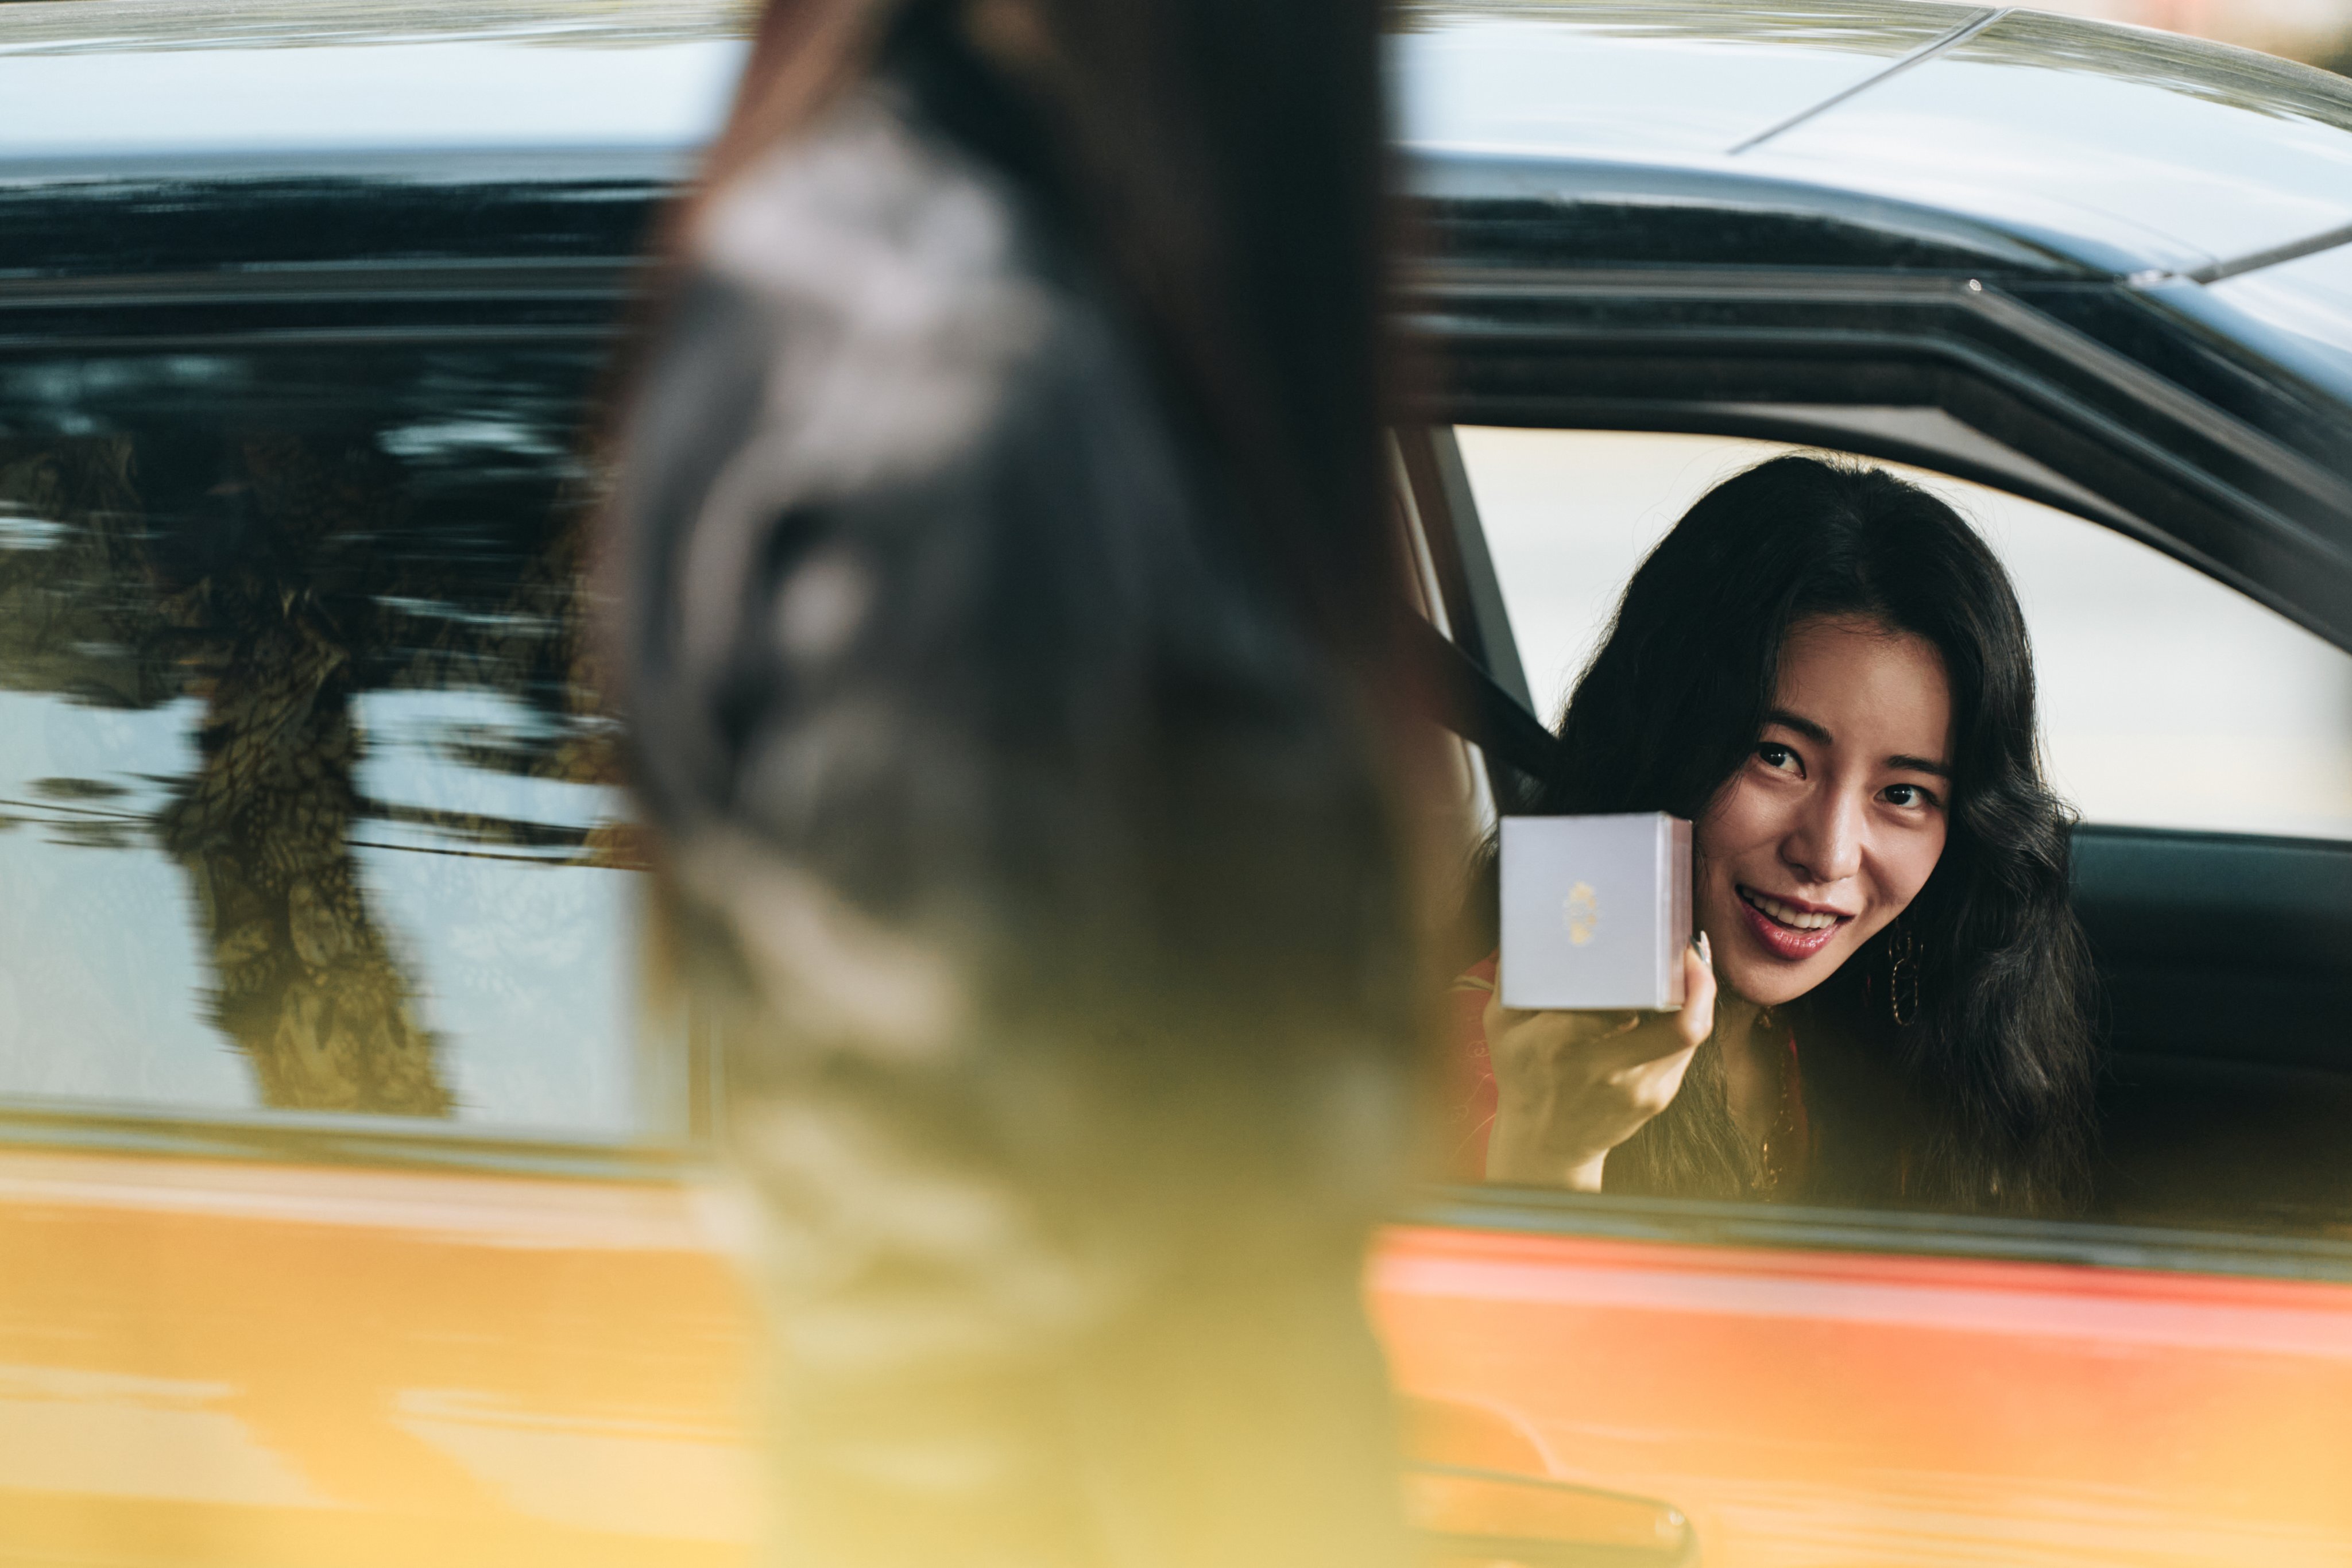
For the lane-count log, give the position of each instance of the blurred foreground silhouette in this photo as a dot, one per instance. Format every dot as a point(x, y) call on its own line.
point(1000, 527)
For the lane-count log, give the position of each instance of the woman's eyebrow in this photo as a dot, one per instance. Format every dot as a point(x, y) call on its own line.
point(1813, 732)
point(1820, 736)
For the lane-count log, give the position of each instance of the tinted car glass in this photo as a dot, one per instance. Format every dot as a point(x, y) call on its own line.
point(310, 800)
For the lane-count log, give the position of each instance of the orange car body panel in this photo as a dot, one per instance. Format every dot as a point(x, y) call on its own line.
point(1860, 1408)
point(268, 1366)
point(273, 1365)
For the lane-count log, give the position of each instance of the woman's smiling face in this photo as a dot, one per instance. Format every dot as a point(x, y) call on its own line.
point(1830, 828)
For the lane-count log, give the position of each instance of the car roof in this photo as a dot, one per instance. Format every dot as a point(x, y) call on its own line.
point(2215, 183)
point(2115, 148)
point(121, 88)
point(2119, 149)
point(1923, 133)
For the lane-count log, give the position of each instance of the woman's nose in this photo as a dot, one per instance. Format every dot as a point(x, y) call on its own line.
point(1826, 845)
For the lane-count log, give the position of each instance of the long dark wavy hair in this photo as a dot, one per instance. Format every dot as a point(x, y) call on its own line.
point(1981, 1099)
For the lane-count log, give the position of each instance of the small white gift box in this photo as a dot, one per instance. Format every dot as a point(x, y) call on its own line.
point(1596, 910)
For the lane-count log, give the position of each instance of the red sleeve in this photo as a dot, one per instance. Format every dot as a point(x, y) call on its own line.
point(1470, 1077)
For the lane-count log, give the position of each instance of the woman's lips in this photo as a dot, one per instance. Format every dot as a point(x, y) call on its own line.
point(1786, 941)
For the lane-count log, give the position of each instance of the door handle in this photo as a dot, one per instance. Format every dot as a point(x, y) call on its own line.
point(1469, 1518)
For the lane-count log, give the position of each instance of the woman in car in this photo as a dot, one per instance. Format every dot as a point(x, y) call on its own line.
point(1826, 671)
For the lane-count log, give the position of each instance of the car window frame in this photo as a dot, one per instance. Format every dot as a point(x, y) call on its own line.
point(1461, 582)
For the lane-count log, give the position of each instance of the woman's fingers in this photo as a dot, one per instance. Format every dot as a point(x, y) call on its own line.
point(1562, 1031)
point(1631, 1036)
point(1696, 1020)
point(1573, 1085)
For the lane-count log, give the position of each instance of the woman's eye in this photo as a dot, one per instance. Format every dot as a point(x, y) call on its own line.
point(1771, 754)
point(1908, 795)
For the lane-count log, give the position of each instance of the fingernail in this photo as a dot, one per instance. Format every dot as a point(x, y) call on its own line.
point(1705, 950)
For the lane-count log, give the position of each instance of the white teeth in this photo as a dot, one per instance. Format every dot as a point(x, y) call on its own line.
point(1803, 920)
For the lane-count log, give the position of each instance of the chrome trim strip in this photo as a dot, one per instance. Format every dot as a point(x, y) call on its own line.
point(320, 1139)
point(1915, 1233)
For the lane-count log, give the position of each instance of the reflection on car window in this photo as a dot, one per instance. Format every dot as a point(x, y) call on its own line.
point(309, 799)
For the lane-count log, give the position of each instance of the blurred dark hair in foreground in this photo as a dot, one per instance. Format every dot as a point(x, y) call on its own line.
point(1008, 630)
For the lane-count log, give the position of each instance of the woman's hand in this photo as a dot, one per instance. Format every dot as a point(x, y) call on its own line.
point(1571, 1087)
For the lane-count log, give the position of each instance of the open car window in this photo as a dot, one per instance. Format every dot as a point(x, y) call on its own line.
point(2206, 743)
point(309, 798)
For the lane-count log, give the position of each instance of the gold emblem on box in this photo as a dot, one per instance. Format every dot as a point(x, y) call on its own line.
point(1583, 913)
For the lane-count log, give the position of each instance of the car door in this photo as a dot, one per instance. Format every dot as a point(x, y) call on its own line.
point(352, 1206)
point(2161, 1382)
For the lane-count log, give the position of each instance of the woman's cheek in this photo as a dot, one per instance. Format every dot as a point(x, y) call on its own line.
point(1916, 860)
point(1713, 847)
point(1739, 816)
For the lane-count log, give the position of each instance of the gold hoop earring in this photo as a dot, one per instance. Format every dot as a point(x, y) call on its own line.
point(1902, 975)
